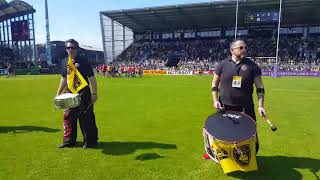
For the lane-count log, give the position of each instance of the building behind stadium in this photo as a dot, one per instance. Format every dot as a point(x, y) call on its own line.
point(18, 42)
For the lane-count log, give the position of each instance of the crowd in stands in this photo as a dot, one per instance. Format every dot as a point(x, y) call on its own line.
point(30, 67)
point(295, 53)
point(120, 70)
point(24, 64)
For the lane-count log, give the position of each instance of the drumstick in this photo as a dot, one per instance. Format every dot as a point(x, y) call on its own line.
point(271, 125)
point(64, 89)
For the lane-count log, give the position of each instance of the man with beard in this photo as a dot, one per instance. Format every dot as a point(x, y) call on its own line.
point(236, 76)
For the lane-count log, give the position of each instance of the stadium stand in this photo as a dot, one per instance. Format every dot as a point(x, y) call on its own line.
point(201, 33)
point(17, 35)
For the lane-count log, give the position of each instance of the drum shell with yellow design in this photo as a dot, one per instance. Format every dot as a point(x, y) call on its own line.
point(67, 101)
point(230, 138)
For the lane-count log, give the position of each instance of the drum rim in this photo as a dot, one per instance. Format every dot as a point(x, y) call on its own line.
point(73, 98)
point(229, 142)
point(71, 95)
point(238, 141)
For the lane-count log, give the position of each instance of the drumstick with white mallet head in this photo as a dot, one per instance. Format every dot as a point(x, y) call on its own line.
point(271, 125)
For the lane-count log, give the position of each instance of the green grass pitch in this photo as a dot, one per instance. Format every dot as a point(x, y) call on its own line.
point(151, 128)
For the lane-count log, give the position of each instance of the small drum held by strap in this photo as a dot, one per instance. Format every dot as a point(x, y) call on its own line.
point(230, 138)
point(67, 100)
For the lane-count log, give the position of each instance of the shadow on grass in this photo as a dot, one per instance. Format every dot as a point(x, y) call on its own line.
point(25, 129)
point(124, 148)
point(148, 156)
point(280, 167)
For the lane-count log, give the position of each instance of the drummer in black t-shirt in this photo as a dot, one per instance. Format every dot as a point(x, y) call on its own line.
point(84, 112)
point(236, 77)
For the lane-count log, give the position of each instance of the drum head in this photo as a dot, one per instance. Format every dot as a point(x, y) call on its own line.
point(66, 96)
point(230, 126)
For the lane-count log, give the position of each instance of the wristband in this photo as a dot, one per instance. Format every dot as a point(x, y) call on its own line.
point(260, 90)
point(214, 89)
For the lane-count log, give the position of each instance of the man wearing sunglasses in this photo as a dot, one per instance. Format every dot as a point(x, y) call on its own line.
point(236, 76)
point(88, 96)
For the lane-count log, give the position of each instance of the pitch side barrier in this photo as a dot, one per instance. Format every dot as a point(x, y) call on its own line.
point(179, 72)
point(292, 73)
point(264, 73)
point(3, 72)
point(154, 72)
point(175, 72)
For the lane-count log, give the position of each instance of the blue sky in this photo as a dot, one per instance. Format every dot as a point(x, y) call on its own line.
point(79, 19)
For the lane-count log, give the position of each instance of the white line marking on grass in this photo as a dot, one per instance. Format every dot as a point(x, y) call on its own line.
point(295, 90)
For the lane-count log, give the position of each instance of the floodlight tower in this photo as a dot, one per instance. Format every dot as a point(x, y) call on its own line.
point(48, 47)
point(236, 26)
point(275, 68)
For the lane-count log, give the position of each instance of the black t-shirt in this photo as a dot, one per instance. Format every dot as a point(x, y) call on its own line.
point(82, 64)
point(234, 96)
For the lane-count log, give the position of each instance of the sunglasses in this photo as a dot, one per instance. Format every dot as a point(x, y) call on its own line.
point(241, 47)
point(71, 47)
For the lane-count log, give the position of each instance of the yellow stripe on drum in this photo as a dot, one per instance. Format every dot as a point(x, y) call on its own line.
point(240, 156)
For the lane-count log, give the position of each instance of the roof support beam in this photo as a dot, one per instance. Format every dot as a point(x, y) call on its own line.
point(137, 21)
point(187, 16)
point(163, 21)
point(212, 15)
point(4, 6)
point(3, 18)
